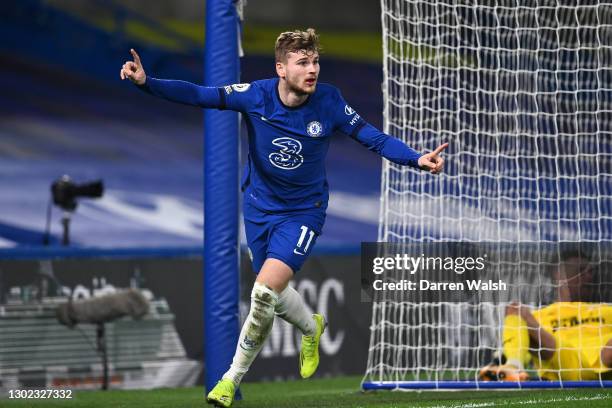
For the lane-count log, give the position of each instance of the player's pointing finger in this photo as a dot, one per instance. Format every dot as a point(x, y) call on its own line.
point(440, 148)
point(136, 56)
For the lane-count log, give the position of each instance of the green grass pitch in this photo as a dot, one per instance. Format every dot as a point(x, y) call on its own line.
point(321, 393)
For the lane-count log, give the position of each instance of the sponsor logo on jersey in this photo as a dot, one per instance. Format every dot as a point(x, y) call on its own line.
point(228, 89)
point(241, 87)
point(288, 157)
point(575, 321)
point(348, 110)
point(314, 129)
point(355, 119)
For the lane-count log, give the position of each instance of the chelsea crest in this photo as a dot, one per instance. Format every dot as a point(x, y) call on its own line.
point(314, 129)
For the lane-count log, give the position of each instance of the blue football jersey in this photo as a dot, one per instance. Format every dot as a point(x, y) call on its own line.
point(287, 145)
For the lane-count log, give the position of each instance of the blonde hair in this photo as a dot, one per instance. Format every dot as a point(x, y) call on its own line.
point(293, 41)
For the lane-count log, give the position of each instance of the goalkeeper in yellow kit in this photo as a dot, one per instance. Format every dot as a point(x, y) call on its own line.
point(569, 340)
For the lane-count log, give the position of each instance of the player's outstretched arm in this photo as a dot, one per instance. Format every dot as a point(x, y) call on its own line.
point(133, 70)
point(182, 91)
point(542, 343)
point(389, 147)
point(433, 161)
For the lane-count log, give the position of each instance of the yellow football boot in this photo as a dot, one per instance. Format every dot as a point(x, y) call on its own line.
point(309, 353)
point(223, 394)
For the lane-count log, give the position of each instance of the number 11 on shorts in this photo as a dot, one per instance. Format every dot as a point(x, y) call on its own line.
point(300, 248)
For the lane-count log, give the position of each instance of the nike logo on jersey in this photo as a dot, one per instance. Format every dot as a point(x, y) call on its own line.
point(264, 119)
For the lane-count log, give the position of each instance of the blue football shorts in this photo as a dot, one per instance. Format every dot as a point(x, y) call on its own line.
point(287, 236)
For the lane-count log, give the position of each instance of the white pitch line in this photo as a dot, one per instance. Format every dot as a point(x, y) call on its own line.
point(528, 402)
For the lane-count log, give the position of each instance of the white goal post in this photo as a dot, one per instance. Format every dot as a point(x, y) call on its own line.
point(522, 91)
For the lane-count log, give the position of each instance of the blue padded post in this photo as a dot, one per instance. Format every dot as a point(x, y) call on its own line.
point(221, 277)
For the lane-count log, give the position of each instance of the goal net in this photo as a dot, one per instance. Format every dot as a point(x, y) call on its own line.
point(522, 91)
